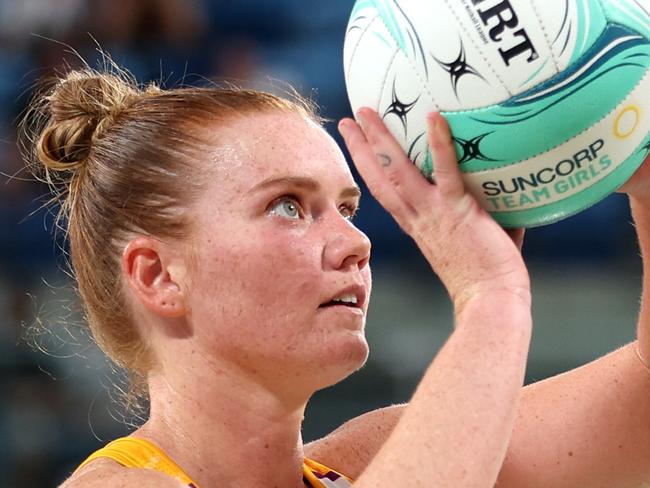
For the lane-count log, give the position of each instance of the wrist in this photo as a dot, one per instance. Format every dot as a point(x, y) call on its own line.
point(496, 304)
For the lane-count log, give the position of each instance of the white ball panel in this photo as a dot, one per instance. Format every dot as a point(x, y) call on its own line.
point(645, 5)
point(370, 66)
point(519, 53)
point(558, 17)
point(405, 102)
point(356, 29)
point(477, 86)
point(448, 47)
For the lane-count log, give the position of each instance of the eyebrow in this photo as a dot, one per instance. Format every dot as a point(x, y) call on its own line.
point(303, 183)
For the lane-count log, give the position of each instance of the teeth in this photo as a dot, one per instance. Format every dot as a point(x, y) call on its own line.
point(346, 299)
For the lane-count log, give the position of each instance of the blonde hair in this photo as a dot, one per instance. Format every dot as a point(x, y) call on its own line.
point(120, 161)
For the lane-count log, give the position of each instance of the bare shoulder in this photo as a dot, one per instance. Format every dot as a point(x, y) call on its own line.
point(105, 472)
point(351, 447)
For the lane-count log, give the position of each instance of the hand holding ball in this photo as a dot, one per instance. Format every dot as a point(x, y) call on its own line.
point(548, 100)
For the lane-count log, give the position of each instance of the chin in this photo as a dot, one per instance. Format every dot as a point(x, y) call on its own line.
point(340, 360)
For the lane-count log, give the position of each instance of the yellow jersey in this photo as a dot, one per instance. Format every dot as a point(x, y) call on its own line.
point(133, 452)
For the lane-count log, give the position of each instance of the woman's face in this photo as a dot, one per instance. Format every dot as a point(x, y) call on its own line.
point(281, 284)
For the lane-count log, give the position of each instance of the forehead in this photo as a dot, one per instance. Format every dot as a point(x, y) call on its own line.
point(277, 144)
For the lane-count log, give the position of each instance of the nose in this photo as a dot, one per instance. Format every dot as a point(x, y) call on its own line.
point(347, 247)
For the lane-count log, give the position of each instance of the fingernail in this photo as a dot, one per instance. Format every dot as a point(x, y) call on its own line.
point(344, 128)
point(361, 119)
point(438, 126)
point(434, 119)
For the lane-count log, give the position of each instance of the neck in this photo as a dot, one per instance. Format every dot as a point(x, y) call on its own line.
point(226, 430)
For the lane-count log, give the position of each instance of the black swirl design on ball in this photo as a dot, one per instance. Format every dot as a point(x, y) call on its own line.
point(399, 108)
point(458, 68)
point(471, 149)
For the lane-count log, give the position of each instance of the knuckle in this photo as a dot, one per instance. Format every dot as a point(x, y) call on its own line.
point(386, 196)
point(395, 178)
point(442, 143)
point(377, 133)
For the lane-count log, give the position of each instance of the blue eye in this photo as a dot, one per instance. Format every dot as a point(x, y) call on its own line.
point(348, 211)
point(286, 207)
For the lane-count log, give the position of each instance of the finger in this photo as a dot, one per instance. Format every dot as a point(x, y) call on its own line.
point(517, 236)
point(446, 172)
point(404, 176)
point(365, 160)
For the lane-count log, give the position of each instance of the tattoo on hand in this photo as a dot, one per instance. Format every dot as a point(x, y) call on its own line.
point(385, 160)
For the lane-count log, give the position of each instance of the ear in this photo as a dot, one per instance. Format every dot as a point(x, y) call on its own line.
point(147, 267)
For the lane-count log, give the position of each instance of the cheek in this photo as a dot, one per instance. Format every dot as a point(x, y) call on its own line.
point(259, 280)
point(366, 273)
point(279, 275)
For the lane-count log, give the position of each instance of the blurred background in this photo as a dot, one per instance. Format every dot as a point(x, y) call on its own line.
point(57, 404)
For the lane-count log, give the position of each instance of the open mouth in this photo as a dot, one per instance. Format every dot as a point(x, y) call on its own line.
point(348, 300)
point(336, 304)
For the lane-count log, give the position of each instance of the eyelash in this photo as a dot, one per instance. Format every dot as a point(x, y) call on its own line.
point(350, 209)
point(285, 198)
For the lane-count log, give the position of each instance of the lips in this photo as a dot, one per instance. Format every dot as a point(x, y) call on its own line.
point(352, 296)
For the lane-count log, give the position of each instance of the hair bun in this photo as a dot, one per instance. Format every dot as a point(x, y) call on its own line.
point(79, 109)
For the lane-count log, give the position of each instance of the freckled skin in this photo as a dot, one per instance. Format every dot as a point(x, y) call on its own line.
point(261, 278)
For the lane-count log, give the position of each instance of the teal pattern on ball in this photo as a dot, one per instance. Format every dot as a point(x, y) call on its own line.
point(577, 203)
point(590, 24)
point(553, 112)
